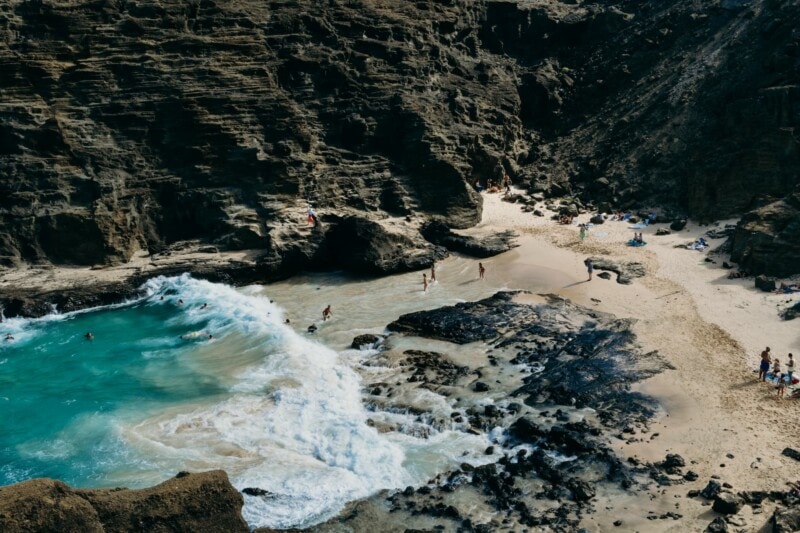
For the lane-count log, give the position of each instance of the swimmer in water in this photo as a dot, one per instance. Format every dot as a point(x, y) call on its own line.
point(204, 306)
point(210, 337)
point(89, 336)
point(312, 328)
point(327, 313)
point(180, 302)
point(9, 337)
point(287, 321)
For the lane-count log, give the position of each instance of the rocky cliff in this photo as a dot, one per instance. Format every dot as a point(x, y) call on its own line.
point(188, 502)
point(142, 125)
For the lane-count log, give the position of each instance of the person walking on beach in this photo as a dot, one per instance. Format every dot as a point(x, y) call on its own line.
point(763, 368)
point(589, 267)
point(481, 271)
point(433, 271)
point(424, 282)
point(790, 368)
point(781, 385)
point(582, 231)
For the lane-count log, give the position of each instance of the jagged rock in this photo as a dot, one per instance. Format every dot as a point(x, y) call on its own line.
point(765, 284)
point(791, 312)
point(786, 520)
point(581, 490)
point(625, 271)
point(766, 239)
point(366, 339)
point(480, 386)
point(524, 430)
point(711, 490)
point(597, 219)
point(195, 502)
point(718, 525)
point(727, 503)
point(488, 246)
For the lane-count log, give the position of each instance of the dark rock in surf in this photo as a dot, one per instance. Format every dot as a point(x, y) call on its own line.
point(366, 340)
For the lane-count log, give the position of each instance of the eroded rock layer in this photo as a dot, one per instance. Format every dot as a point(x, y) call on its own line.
point(130, 125)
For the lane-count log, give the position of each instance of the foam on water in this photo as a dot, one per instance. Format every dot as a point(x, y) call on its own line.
point(274, 409)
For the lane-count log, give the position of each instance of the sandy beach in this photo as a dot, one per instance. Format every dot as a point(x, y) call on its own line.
point(710, 328)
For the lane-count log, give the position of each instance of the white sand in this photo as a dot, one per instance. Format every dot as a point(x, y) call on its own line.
point(711, 330)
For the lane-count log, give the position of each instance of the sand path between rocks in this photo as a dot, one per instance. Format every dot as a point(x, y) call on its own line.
point(711, 329)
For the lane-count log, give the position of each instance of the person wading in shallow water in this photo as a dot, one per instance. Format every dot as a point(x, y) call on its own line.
point(481, 271)
point(433, 272)
point(424, 282)
point(327, 313)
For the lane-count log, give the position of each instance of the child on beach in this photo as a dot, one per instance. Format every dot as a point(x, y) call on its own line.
point(781, 386)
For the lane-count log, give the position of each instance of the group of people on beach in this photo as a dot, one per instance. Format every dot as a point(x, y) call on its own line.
point(782, 379)
point(426, 281)
point(494, 186)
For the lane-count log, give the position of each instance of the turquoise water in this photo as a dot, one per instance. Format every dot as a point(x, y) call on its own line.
point(152, 395)
point(60, 393)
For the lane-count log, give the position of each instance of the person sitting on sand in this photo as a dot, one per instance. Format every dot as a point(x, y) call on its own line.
point(481, 271)
point(89, 336)
point(478, 187)
point(763, 367)
point(327, 313)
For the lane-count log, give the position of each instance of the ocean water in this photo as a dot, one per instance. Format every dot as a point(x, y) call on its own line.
point(277, 408)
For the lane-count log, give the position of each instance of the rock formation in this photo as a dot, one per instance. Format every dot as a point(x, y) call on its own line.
point(131, 125)
point(187, 502)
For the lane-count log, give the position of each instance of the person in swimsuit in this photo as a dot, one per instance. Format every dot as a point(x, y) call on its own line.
point(776, 367)
point(327, 313)
point(790, 368)
point(781, 385)
point(89, 336)
point(589, 267)
point(481, 271)
point(763, 368)
point(204, 306)
point(433, 272)
point(424, 282)
point(582, 232)
point(9, 337)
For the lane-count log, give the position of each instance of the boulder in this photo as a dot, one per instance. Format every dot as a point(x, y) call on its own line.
point(524, 430)
point(480, 386)
point(366, 340)
point(597, 219)
point(581, 490)
point(187, 502)
point(718, 525)
point(791, 452)
point(791, 312)
point(487, 246)
point(786, 520)
point(711, 490)
point(727, 503)
point(663, 231)
point(678, 225)
point(765, 284)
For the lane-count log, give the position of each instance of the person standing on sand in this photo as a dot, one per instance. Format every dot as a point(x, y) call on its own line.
point(582, 232)
point(424, 282)
point(481, 271)
point(327, 313)
point(781, 385)
point(790, 368)
point(589, 267)
point(433, 271)
point(763, 368)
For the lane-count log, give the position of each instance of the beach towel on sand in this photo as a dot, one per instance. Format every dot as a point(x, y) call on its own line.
point(635, 243)
point(639, 226)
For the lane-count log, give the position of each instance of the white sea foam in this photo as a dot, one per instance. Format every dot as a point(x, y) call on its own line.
point(293, 425)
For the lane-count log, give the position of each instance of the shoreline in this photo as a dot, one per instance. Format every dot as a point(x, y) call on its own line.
point(713, 412)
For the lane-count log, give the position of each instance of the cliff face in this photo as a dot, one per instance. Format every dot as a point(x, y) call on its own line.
point(131, 125)
point(188, 502)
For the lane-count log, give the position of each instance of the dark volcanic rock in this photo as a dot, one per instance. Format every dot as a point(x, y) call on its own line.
point(791, 312)
point(625, 271)
point(678, 225)
point(367, 339)
point(765, 284)
point(438, 233)
point(465, 322)
point(786, 520)
point(711, 490)
point(718, 525)
point(791, 452)
point(195, 502)
point(766, 240)
point(727, 503)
